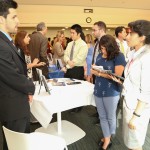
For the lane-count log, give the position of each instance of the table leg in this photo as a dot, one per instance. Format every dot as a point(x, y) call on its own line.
point(59, 126)
point(65, 129)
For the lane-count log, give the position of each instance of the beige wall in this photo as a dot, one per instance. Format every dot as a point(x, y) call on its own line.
point(52, 31)
point(62, 16)
point(65, 16)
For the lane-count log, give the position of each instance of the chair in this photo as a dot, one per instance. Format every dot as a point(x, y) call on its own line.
point(33, 141)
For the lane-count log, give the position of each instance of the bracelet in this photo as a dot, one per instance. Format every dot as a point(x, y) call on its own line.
point(134, 113)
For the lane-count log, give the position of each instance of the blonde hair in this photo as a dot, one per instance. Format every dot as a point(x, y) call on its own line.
point(59, 33)
point(89, 39)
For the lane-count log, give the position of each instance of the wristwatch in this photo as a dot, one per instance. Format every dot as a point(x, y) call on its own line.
point(134, 113)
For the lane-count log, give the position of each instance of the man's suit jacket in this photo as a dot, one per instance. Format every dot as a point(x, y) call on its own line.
point(14, 85)
point(38, 49)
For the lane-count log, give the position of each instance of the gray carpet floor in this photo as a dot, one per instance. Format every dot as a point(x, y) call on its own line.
point(86, 122)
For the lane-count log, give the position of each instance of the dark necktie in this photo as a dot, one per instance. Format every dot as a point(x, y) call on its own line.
point(95, 48)
point(13, 43)
point(72, 50)
point(18, 50)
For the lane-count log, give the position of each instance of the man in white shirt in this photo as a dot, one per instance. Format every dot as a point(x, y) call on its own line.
point(121, 34)
point(75, 54)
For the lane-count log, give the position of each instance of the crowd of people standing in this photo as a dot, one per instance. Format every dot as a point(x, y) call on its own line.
point(127, 55)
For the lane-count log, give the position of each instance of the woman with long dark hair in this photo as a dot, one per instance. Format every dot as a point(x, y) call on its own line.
point(107, 91)
point(136, 86)
point(21, 41)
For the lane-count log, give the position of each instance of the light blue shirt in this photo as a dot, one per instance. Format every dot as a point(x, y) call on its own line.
point(7, 35)
point(89, 59)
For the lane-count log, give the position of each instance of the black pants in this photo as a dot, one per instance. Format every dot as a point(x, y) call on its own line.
point(93, 78)
point(75, 72)
point(21, 125)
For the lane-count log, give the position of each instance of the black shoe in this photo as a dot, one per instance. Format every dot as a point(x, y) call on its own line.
point(100, 143)
point(108, 147)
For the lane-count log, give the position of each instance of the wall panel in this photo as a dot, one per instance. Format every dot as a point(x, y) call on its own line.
point(61, 16)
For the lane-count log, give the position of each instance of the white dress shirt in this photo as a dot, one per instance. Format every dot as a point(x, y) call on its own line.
point(79, 54)
point(126, 48)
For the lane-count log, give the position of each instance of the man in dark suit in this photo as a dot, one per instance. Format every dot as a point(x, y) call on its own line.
point(38, 49)
point(15, 89)
point(99, 29)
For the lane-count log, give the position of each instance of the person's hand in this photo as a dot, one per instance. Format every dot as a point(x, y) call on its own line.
point(95, 72)
point(88, 78)
point(115, 79)
point(41, 64)
point(71, 63)
point(35, 61)
point(64, 69)
point(30, 98)
point(133, 123)
point(92, 71)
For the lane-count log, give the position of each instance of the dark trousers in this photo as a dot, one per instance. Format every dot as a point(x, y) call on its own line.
point(75, 72)
point(93, 76)
point(21, 125)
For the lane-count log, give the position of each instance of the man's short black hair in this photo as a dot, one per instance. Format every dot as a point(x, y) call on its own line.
point(5, 5)
point(78, 29)
point(119, 30)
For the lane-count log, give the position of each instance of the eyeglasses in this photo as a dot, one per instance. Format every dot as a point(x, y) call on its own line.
point(95, 30)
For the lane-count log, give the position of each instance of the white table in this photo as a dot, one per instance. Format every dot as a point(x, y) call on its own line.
point(62, 98)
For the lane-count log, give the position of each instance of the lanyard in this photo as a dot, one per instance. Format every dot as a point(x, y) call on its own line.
point(129, 65)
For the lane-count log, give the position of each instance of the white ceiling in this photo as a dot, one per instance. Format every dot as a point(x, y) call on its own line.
point(134, 4)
